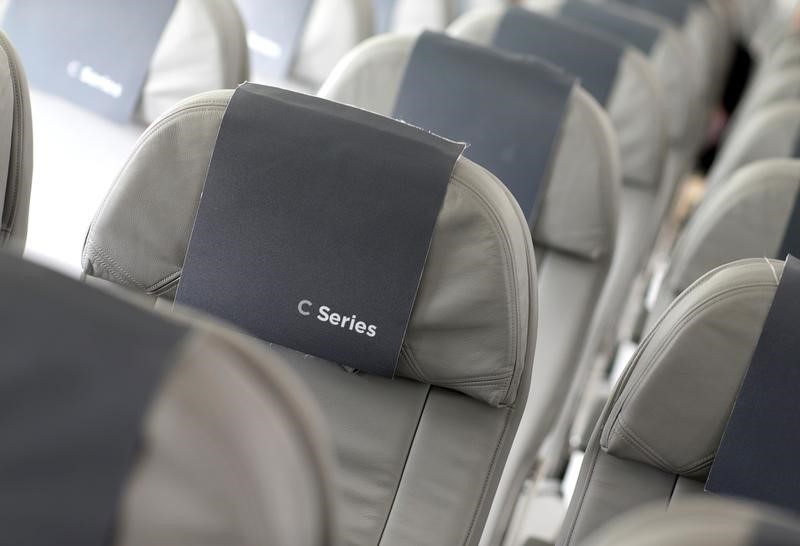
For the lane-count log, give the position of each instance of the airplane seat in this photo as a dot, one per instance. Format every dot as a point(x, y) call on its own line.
point(131, 428)
point(770, 133)
point(409, 449)
point(705, 26)
point(709, 521)
point(635, 106)
point(746, 216)
point(16, 163)
point(574, 239)
point(78, 152)
point(659, 433)
point(782, 86)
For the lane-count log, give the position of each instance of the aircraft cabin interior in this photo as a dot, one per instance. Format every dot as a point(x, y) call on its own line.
point(399, 272)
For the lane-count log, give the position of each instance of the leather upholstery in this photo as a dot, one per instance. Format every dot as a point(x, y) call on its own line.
point(420, 456)
point(16, 143)
point(711, 522)
point(770, 133)
point(659, 432)
point(574, 238)
point(746, 216)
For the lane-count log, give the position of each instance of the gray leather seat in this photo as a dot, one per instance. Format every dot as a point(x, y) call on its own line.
point(16, 143)
point(782, 86)
point(745, 216)
point(225, 447)
point(771, 132)
point(659, 433)
point(711, 522)
point(333, 28)
point(636, 109)
point(419, 457)
point(78, 153)
point(574, 239)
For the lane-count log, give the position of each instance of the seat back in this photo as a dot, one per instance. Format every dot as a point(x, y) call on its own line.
point(782, 86)
point(203, 47)
point(635, 108)
point(16, 141)
point(709, 521)
point(463, 375)
point(747, 216)
point(706, 28)
point(770, 133)
point(574, 238)
point(659, 433)
point(132, 428)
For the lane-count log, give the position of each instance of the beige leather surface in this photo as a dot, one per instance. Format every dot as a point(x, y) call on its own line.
point(16, 143)
point(660, 430)
point(233, 452)
point(710, 522)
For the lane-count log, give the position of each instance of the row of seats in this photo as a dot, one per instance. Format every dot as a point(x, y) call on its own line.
point(407, 451)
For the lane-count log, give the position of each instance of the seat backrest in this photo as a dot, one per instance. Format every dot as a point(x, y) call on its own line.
point(463, 375)
point(708, 521)
point(746, 216)
point(771, 132)
point(660, 42)
point(634, 102)
point(659, 433)
point(580, 202)
point(780, 86)
point(16, 142)
point(203, 435)
point(202, 48)
point(705, 26)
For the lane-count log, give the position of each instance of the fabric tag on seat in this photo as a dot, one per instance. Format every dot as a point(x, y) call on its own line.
point(593, 58)
point(314, 225)
point(95, 53)
point(637, 33)
point(509, 109)
point(676, 11)
point(275, 30)
point(757, 458)
point(80, 370)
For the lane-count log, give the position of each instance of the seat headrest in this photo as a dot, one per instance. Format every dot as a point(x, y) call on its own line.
point(744, 217)
point(672, 405)
point(635, 103)
point(711, 521)
point(663, 46)
point(16, 143)
point(772, 132)
point(204, 435)
point(578, 210)
point(203, 47)
point(473, 325)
